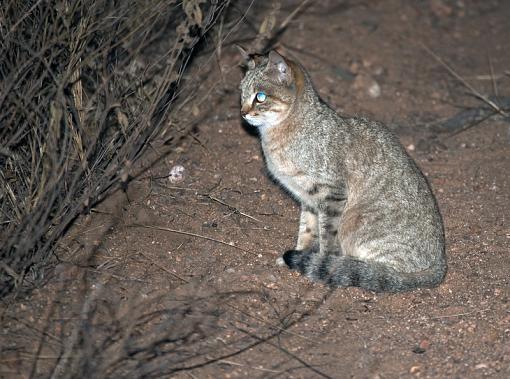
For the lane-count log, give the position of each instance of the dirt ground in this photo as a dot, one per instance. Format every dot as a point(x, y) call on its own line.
point(226, 222)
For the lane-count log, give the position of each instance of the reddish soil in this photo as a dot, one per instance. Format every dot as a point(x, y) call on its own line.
point(276, 323)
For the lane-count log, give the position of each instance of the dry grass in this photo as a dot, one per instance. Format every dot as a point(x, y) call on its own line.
point(85, 87)
point(79, 102)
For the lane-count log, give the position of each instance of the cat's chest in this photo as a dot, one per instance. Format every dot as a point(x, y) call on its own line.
point(289, 170)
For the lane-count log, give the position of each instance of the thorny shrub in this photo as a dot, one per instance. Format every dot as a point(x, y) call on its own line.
point(79, 101)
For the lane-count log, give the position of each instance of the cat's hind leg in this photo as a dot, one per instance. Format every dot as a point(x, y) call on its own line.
point(329, 225)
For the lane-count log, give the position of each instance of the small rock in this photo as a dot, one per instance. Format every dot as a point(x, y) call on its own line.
point(435, 95)
point(343, 73)
point(176, 174)
point(354, 66)
point(440, 8)
point(374, 90)
point(481, 366)
point(424, 344)
point(367, 84)
point(414, 369)
point(419, 350)
point(210, 224)
point(379, 70)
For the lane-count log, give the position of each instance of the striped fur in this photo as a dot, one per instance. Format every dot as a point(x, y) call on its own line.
point(368, 216)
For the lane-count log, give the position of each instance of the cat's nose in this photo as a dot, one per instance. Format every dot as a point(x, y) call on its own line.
point(244, 111)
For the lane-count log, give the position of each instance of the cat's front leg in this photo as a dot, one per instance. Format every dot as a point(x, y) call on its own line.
point(311, 262)
point(308, 229)
point(325, 236)
point(307, 242)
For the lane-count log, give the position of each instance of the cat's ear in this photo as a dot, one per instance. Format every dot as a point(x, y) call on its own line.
point(248, 60)
point(279, 68)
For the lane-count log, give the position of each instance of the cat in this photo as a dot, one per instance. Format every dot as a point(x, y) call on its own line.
point(368, 216)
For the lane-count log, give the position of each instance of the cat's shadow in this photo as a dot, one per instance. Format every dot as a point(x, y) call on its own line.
point(248, 128)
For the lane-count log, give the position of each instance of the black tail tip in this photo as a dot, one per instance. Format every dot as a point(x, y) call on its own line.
point(292, 258)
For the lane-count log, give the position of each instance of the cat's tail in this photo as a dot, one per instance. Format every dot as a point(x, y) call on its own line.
point(345, 271)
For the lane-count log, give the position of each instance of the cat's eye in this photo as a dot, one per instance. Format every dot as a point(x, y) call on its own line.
point(261, 97)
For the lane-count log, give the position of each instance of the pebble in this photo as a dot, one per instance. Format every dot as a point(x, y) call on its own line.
point(367, 84)
point(374, 90)
point(414, 369)
point(424, 344)
point(176, 174)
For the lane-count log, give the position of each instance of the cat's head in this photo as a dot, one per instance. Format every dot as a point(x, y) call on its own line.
point(268, 89)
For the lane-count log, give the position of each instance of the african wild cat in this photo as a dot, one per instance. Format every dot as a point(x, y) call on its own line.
point(368, 216)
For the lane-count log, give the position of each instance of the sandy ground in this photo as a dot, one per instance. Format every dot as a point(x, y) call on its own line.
point(227, 222)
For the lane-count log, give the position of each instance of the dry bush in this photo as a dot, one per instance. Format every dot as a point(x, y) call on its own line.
point(79, 101)
point(85, 86)
point(133, 339)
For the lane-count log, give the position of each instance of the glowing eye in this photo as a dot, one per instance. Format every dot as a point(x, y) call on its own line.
point(261, 97)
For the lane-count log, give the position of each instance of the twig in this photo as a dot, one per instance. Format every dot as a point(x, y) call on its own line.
point(460, 314)
point(231, 207)
point(191, 235)
point(27, 13)
point(493, 78)
point(62, 364)
point(472, 117)
point(484, 77)
point(284, 330)
point(174, 187)
point(471, 125)
point(211, 360)
point(283, 26)
point(224, 361)
point(118, 277)
point(30, 356)
point(283, 350)
point(195, 137)
point(163, 268)
point(241, 350)
point(49, 312)
point(466, 84)
point(265, 228)
point(289, 18)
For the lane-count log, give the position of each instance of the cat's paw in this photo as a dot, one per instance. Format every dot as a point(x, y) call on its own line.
point(289, 258)
point(280, 262)
point(293, 258)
